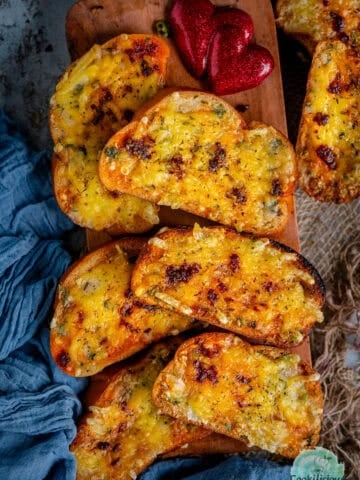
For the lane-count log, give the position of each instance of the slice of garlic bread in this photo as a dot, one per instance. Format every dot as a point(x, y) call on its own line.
point(97, 320)
point(124, 431)
point(312, 21)
point(193, 151)
point(328, 146)
point(252, 286)
point(97, 96)
point(263, 396)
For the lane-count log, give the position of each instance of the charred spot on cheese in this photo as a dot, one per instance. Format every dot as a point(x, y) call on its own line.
point(208, 351)
point(212, 296)
point(176, 164)
point(338, 22)
point(103, 445)
point(238, 194)
point(139, 148)
point(276, 189)
point(182, 273)
point(63, 359)
point(321, 118)
point(234, 263)
point(147, 69)
point(94, 99)
point(242, 379)
point(80, 317)
point(270, 287)
point(142, 48)
point(327, 155)
point(204, 373)
point(219, 158)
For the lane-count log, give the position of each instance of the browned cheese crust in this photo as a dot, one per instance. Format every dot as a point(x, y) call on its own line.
point(97, 320)
point(252, 286)
point(328, 146)
point(124, 431)
point(263, 396)
point(193, 151)
point(312, 21)
point(98, 95)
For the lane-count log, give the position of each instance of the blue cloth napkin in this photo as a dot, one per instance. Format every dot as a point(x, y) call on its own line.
point(39, 404)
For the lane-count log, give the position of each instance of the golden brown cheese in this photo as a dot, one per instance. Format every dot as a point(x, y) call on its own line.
point(124, 431)
point(97, 320)
point(328, 146)
point(252, 286)
point(312, 21)
point(263, 396)
point(193, 151)
point(97, 96)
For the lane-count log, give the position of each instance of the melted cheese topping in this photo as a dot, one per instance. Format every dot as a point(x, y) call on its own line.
point(330, 121)
point(263, 396)
point(125, 431)
point(96, 97)
point(193, 152)
point(247, 285)
point(314, 19)
point(97, 322)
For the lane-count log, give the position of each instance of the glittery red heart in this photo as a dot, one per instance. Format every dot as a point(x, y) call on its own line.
point(195, 22)
point(233, 67)
point(193, 25)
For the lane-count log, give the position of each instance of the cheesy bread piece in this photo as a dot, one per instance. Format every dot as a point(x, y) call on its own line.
point(264, 396)
point(124, 431)
point(97, 320)
point(312, 21)
point(252, 286)
point(193, 151)
point(97, 96)
point(328, 145)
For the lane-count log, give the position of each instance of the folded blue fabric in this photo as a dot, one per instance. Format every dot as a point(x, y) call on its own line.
point(38, 402)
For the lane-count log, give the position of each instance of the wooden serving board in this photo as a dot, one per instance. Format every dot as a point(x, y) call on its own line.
point(96, 21)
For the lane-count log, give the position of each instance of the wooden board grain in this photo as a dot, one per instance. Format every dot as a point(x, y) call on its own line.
point(96, 21)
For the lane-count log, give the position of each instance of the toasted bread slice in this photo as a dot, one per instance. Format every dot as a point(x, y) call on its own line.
point(312, 21)
point(264, 396)
point(124, 431)
point(193, 151)
point(252, 286)
point(328, 146)
point(97, 321)
point(97, 96)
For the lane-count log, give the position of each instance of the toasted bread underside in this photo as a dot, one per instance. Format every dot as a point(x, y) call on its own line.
point(124, 431)
point(312, 21)
point(252, 286)
point(97, 96)
point(193, 151)
point(264, 396)
point(97, 321)
point(328, 146)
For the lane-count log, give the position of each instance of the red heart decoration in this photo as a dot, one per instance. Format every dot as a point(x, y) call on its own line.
point(233, 68)
point(195, 22)
point(192, 24)
point(234, 17)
